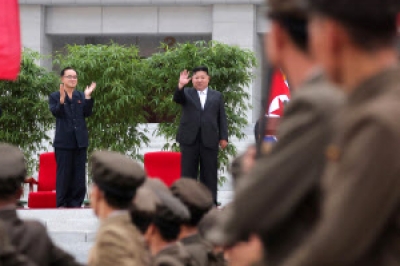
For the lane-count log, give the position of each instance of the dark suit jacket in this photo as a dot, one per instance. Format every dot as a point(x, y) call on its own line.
point(71, 130)
point(30, 238)
point(211, 121)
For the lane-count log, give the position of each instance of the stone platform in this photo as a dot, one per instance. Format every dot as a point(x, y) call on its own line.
point(73, 230)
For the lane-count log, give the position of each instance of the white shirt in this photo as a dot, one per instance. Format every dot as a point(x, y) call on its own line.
point(203, 97)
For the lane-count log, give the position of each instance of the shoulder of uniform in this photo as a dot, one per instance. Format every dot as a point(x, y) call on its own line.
point(167, 260)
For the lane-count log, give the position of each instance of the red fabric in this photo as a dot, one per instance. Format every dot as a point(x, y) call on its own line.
point(42, 199)
point(45, 197)
point(47, 172)
point(280, 93)
point(10, 40)
point(164, 165)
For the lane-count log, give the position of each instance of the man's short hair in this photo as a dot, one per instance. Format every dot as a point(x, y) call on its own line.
point(370, 23)
point(62, 73)
point(200, 68)
point(292, 16)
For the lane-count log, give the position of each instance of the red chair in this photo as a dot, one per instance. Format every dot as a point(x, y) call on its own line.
point(165, 165)
point(45, 196)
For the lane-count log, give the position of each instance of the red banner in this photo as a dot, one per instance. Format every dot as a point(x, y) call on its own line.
point(280, 94)
point(10, 40)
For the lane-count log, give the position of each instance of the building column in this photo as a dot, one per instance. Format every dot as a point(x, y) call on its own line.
point(236, 25)
point(33, 35)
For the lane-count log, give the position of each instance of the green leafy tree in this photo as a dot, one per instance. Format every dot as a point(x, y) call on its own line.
point(26, 117)
point(230, 69)
point(118, 108)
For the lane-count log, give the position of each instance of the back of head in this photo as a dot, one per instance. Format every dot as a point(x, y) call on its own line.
point(12, 170)
point(195, 196)
point(292, 16)
point(370, 23)
point(170, 214)
point(118, 176)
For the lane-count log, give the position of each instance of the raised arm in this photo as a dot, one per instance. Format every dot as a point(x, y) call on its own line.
point(88, 107)
point(179, 95)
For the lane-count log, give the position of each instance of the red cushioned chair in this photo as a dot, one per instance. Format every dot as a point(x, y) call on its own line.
point(45, 196)
point(165, 165)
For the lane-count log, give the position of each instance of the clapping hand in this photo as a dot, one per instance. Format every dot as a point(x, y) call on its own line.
point(184, 79)
point(89, 90)
point(62, 93)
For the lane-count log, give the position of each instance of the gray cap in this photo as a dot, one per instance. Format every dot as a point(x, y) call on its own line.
point(116, 174)
point(170, 209)
point(208, 222)
point(216, 233)
point(287, 8)
point(12, 163)
point(145, 200)
point(193, 194)
point(155, 184)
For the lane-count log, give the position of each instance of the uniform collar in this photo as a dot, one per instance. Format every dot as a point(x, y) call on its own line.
point(376, 85)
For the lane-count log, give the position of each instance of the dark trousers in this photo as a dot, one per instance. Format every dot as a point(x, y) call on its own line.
point(197, 155)
point(71, 181)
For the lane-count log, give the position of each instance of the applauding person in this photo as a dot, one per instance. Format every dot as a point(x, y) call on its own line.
point(71, 107)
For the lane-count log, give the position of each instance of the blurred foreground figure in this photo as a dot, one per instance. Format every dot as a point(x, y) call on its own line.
point(8, 254)
point(30, 238)
point(199, 200)
point(116, 178)
point(278, 200)
point(359, 220)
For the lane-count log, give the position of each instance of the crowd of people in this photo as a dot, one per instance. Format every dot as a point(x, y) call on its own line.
point(327, 193)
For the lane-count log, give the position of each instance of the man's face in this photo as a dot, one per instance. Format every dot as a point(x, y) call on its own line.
point(94, 198)
point(200, 80)
point(70, 78)
point(245, 253)
point(324, 46)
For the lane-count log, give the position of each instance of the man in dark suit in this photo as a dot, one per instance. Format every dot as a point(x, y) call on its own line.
point(203, 127)
point(71, 107)
point(29, 238)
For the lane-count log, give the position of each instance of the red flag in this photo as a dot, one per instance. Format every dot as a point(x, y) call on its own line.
point(280, 94)
point(10, 40)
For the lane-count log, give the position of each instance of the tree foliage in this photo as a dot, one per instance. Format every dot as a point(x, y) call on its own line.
point(119, 97)
point(26, 117)
point(230, 68)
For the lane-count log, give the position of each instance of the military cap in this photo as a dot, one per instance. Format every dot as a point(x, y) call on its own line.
point(116, 174)
point(170, 209)
point(216, 233)
point(145, 200)
point(156, 184)
point(193, 194)
point(287, 8)
point(12, 163)
point(208, 222)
